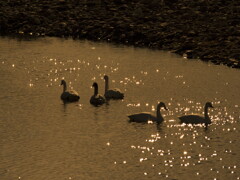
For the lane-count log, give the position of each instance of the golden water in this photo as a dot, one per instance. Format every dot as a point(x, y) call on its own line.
point(42, 138)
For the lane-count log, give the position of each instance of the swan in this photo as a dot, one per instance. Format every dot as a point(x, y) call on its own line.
point(112, 93)
point(68, 96)
point(97, 99)
point(198, 119)
point(146, 116)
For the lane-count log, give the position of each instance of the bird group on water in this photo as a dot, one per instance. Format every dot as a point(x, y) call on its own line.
point(98, 99)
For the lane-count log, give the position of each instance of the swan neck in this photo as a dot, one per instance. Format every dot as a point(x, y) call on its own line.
point(95, 90)
point(106, 85)
point(64, 87)
point(159, 116)
point(206, 112)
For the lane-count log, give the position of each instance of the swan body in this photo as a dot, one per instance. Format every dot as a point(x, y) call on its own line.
point(112, 93)
point(198, 119)
point(68, 96)
point(97, 99)
point(146, 116)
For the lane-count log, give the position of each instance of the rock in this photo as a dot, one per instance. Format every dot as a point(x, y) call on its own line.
point(208, 30)
point(35, 20)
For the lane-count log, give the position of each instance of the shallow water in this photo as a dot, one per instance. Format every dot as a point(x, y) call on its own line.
point(43, 138)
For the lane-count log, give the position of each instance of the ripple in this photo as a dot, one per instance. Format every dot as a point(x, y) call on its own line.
point(81, 137)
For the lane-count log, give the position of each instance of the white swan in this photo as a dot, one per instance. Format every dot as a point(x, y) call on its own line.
point(198, 119)
point(97, 99)
point(112, 93)
point(68, 96)
point(146, 116)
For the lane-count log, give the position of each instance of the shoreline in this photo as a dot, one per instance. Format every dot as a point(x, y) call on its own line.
point(206, 30)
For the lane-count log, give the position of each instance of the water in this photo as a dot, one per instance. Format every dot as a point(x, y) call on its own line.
point(42, 138)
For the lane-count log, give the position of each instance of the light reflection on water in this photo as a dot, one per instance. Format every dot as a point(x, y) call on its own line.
point(42, 138)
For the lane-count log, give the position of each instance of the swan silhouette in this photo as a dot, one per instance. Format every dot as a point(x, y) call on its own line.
point(97, 99)
point(146, 116)
point(198, 119)
point(112, 93)
point(68, 96)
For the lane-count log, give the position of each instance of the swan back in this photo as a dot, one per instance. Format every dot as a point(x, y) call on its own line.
point(193, 119)
point(97, 99)
point(112, 93)
point(198, 119)
point(68, 96)
point(142, 117)
point(146, 116)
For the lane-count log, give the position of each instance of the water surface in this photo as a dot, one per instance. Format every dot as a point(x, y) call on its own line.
point(43, 138)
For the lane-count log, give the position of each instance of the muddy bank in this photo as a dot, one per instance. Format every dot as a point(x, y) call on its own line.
point(209, 30)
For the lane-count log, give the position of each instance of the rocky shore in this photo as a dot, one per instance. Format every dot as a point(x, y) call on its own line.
point(204, 29)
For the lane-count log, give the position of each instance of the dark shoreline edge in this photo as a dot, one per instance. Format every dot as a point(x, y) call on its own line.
point(206, 30)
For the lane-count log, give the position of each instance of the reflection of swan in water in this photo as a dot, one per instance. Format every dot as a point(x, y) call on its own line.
point(198, 119)
point(146, 116)
point(112, 93)
point(97, 99)
point(68, 96)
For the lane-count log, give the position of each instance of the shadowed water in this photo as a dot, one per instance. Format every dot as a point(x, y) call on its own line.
point(43, 138)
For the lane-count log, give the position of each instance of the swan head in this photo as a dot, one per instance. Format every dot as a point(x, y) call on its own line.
point(95, 85)
point(209, 104)
point(105, 77)
point(63, 82)
point(162, 104)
